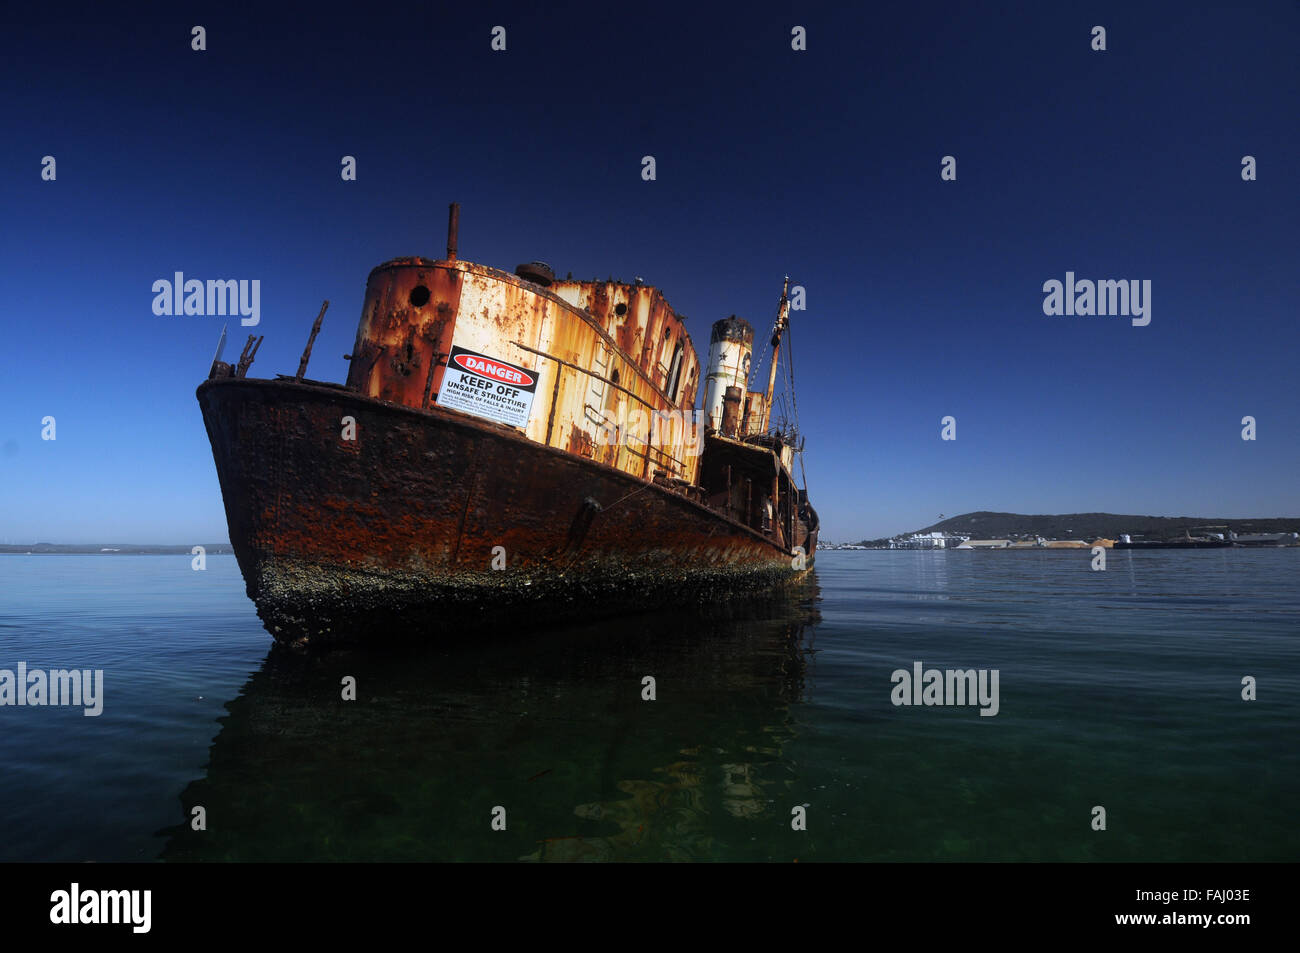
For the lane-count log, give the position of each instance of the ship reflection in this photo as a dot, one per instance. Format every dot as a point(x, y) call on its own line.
point(551, 726)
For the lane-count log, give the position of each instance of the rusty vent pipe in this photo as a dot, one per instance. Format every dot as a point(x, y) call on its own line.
point(453, 227)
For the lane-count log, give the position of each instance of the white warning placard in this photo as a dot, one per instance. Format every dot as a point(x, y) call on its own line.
point(487, 387)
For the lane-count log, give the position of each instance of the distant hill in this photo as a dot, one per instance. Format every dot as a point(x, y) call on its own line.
point(1090, 526)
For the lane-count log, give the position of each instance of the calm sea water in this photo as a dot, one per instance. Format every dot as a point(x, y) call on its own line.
point(1119, 688)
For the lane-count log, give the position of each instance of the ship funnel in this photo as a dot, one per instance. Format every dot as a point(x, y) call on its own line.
point(730, 345)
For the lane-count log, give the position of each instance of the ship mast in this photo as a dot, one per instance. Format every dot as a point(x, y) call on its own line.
point(782, 319)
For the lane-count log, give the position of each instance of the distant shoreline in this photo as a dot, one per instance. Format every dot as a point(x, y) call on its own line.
point(114, 549)
point(854, 548)
point(1085, 527)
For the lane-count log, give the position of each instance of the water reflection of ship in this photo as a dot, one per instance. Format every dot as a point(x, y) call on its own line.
point(553, 727)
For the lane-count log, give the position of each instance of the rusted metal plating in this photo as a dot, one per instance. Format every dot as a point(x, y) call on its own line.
point(600, 350)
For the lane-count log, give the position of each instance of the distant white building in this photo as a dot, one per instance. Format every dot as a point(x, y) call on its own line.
point(920, 541)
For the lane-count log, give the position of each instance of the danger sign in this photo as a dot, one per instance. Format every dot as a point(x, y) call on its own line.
point(487, 387)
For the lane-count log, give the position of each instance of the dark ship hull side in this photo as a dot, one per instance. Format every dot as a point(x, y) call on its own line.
point(394, 533)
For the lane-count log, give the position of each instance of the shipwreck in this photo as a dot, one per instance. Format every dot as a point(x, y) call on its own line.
point(506, 446)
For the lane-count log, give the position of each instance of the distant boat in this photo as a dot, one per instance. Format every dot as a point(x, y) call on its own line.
point(1185, 543)
point(1265, 539)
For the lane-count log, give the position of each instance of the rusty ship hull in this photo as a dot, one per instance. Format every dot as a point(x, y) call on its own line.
point(506, 447)
point(399, 535)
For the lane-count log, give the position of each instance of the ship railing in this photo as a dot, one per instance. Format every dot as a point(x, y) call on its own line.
point(663, 454)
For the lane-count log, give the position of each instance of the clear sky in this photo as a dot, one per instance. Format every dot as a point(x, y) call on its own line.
point(924, 296)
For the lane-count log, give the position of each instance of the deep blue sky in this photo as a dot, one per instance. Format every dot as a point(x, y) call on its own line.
point(924, 297)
